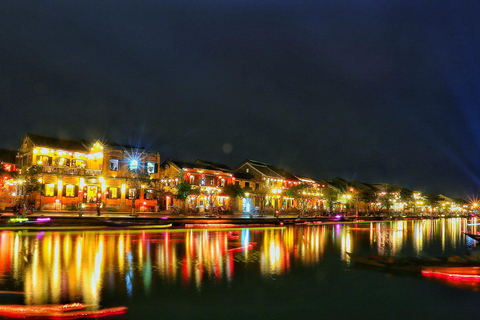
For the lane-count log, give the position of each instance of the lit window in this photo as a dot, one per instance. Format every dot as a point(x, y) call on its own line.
point(133, 165)
point(149, 194)
point(50, 190)
point(192, 179)
point(79, 163)
point(62, 162)
point(113, 165)
point(151, 167)
point(202, 182)
point(69, 190)
point(44, 160)
point(132, 193)
point(113, 193)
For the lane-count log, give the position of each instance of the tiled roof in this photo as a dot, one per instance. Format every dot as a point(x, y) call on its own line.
point(270, 170)
point(243, 175)
point(56, 143)
point(220, 166)
point(194, 165)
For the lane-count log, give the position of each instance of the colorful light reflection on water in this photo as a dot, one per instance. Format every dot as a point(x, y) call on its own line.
point(92, 267)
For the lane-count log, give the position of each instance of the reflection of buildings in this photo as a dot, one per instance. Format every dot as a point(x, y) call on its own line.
point(56, 267)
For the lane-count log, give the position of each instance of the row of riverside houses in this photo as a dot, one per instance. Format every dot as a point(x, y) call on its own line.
point(60, 174)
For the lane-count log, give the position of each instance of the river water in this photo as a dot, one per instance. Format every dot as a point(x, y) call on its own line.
point(240, 273)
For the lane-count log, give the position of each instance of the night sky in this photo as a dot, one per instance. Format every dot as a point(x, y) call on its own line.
point(375, 91)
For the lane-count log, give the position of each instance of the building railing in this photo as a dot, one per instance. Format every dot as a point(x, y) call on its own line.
point(93, 172)
point(71, 171)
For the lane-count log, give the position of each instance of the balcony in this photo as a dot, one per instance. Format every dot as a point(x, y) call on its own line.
point(71, 171)
point(93, 172)
point(50, 169)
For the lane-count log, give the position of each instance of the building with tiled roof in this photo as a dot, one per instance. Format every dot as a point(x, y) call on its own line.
point(87, 173)
point(206, 177)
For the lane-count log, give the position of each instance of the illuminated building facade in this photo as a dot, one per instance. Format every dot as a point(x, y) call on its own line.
point(206, 177)
point(7, 177)
point(86, 173)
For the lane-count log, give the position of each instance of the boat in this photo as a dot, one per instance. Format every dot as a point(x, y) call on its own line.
point(455, 264)
point(457, 272)
point(474, 236)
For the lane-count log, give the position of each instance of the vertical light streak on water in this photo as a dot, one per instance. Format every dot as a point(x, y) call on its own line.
point(140, 251)
point(443, 235)
point(166, 254)
point(187, 272)
point(346, 247)
point(121, 254)
point(97, 276)
point(129, 274)
point(418, 238)
point(32, 279)
point(78, 273)
point(147, 270)
point(66, 250)
point(16, 256)
point(56, 283)
point(371, 235)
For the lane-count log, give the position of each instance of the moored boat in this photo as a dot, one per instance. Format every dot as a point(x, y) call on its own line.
point(474, 236)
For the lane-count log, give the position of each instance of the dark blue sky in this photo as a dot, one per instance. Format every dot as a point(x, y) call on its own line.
point(378, 91)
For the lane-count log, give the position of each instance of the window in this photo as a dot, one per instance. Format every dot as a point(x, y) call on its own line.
point(132, 193)
point(149, 194)
point(133, 165)
point(113, 193)
point(247, 170)
point(222, 183)
point(247, 184)
point(192, 179)
point(151, 167)
point(62, 162)
point(50, 190)
point(237, 183)
point(79, 163)
point(70, 190)
point(257, 186)
point(44, 160)
point(202, 182)
point(113, 166)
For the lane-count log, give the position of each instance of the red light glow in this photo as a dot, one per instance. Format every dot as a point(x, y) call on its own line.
point(451, 276)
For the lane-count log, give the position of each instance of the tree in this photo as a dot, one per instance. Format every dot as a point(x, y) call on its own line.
point(432, 201)
point(367, 196)
point(234, 192)
point(331, 195)
point(136, 180)
point(406, 196)
point(296, 193)
point(29, 181)
point(184, 190)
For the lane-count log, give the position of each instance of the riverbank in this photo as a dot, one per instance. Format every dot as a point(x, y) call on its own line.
point(43, 220)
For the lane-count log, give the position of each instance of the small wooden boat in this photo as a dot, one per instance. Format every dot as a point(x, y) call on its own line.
point(474, 236)
point(453, 264)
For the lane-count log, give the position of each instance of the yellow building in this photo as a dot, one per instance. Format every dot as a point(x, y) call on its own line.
point(86, 173)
